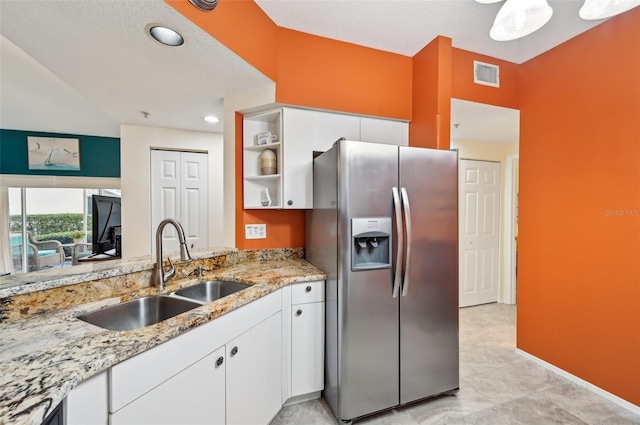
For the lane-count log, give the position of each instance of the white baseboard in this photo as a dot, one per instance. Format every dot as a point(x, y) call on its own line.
point(301, 398)
point(581, 382)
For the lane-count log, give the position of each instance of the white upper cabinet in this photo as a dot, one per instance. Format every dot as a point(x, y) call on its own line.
point(297, 159)
point(384, 131)
point(293, 135)
point(329, 127)
point(262, 132)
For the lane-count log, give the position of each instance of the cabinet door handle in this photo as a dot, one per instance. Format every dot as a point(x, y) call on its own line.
point(308, 288)
point(234, 351)
point(289, 202)
point(299, 312)
point(220, 361)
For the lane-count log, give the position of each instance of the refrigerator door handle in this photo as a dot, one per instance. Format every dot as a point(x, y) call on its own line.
point(400, 251)
point(407, 222)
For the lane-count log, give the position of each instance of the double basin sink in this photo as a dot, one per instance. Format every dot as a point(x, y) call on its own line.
point(153, 309)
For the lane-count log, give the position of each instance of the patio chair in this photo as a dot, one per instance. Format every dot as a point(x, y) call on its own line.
point(40, 253)
point(79, 251)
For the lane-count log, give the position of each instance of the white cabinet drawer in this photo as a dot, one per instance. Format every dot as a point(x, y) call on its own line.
point(307, 292)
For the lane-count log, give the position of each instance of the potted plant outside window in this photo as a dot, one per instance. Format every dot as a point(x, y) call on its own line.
point(78, 237)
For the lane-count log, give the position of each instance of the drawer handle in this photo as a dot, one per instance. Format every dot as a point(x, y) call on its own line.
point(234, 351)
point(298, 313)
point(308, 289)
point(220, 361)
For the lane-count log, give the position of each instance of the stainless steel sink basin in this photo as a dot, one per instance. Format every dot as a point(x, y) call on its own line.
point(211, 290)
point(138, 313)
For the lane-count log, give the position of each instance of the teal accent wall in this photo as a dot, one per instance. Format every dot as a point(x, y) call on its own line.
point(99, 156)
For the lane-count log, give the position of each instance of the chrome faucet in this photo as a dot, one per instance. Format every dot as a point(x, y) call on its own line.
point(161, 276)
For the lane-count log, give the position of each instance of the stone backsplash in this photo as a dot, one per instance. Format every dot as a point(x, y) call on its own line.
point(125, 285)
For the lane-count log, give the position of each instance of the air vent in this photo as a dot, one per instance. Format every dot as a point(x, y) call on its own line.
point(486, 74)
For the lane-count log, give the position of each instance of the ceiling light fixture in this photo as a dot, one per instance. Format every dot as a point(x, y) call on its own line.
point(205, 5)
point(212, 119)
point(600, 9)
point(518, 18)
point(166, 35)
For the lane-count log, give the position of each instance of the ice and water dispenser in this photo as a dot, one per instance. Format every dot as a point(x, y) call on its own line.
point(371, 243)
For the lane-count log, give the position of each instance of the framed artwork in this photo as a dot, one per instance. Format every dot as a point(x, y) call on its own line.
point(52, 153)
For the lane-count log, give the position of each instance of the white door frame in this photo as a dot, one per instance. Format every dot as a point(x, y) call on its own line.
point(509, 242)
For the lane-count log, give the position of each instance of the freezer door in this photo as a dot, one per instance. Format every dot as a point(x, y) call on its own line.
point(368, 313)
point(429, 297)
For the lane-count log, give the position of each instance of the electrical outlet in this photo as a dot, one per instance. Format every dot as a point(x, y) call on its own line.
point(255, 231)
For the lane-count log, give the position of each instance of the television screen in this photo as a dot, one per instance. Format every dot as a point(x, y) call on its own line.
point(106, 212)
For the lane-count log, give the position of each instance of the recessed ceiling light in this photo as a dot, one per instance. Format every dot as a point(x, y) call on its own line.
point(205, 5)
point(211, 119)
point(166, 35)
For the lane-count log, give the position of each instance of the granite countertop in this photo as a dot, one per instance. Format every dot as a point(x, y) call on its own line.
point(43, 357)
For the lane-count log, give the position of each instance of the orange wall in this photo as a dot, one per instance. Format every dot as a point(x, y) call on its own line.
point(429, 127)
point(579, 229)
point(328, 74)
point(463, 87)
point(309, 71)
point(241, 26)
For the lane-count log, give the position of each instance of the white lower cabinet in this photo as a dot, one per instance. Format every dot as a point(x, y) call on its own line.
point(253, 374)
point(238, 369)
point(88, 403)
point(194, 396)
point(303, 342)
point(307, 348)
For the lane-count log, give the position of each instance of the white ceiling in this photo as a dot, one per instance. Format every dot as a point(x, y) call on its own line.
point(477, 122)
point(406, 26)
point(90, 64)
point(101, 51)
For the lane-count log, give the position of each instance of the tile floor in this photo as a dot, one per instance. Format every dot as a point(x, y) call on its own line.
point(497, 387)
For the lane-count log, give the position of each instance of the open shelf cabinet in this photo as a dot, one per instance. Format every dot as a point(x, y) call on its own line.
point(255, 183)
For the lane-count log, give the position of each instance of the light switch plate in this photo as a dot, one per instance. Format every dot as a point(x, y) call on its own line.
point(255, 231)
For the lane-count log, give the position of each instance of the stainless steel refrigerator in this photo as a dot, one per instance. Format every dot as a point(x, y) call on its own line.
point(385, 230)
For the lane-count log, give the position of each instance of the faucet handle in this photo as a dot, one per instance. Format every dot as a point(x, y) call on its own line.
point(171, 272)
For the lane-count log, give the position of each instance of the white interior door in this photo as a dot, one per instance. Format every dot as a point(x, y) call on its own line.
point(179, 190)
point(479, 232)
point(165, 196)
point(193, 205)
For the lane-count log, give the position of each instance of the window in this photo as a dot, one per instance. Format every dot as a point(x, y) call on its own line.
point(51, 221)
